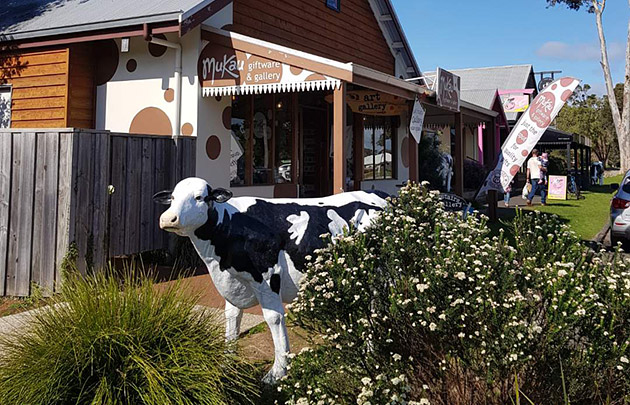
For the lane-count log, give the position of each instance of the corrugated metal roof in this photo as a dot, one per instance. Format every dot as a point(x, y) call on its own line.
point(483, 98)
point(49, 17)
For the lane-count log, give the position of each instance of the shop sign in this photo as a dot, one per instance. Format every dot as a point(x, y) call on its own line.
point(448, 90)
point(370, 102)
point(557, 188)
point(417, 120)
point(513, 103)
point(528, 131)
point(226, 71)
point(452, 202)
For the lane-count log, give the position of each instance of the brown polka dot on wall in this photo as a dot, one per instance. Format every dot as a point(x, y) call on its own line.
point(151, 121)
point(218, 98)
point(169, 95)
point(187, 129)
point(132, 65)
point(213, 147)
point(155, 49)
point(296, 70)
point(107, 55)
point(227, 117)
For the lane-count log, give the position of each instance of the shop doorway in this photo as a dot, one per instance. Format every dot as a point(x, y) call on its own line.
point(314, 167)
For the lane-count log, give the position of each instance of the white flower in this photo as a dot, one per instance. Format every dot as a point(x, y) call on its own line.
point(460, 275)
point(396, 357)
point(432, 326)
point(562, 273)
point(422, 287)
point(624, 359)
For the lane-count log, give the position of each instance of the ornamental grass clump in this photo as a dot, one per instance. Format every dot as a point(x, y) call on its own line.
point(112, 341)
point(426, 307)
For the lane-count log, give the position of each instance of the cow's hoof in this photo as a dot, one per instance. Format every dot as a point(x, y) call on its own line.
point(273, 376)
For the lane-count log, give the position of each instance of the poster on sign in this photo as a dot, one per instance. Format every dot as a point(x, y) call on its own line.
point(417, 120)
point(527, 132)
point(557, 188)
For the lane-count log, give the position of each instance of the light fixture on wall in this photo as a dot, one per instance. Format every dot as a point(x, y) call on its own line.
point(279, 105)
point(124, 45)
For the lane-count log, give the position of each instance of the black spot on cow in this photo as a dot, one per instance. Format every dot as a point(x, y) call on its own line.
point(274, 282)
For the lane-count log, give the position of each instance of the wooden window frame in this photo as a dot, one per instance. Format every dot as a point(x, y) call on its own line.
point(8, 87)
point(334, 5)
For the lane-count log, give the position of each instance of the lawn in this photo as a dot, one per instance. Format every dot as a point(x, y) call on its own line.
point(587, 216)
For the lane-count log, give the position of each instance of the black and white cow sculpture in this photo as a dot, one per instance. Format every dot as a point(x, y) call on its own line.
point(255, 248)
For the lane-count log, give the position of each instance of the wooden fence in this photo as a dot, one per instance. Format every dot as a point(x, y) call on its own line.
point(56, 192)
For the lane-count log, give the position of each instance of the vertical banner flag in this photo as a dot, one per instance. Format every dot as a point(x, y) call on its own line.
point(528, 131)
point(417, 120)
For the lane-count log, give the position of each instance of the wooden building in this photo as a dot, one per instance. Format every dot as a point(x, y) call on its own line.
point(296, 98)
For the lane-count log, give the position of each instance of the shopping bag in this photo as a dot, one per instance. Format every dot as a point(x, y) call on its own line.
point(526, 189)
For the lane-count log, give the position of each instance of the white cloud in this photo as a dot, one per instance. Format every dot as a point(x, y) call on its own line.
point(557, 50)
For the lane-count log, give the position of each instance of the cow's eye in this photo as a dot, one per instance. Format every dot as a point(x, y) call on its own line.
point(199, 198)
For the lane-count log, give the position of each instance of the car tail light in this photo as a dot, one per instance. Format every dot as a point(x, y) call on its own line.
point(620, 204)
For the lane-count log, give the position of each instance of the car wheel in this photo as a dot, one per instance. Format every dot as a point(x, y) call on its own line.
point(614, 240)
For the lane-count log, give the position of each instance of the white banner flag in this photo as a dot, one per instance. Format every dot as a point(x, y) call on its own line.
point(528, 131)
point(417, 120)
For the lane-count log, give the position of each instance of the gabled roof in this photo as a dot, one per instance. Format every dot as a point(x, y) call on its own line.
point(24, 19)
point(478, 85)
point(392, 30)
point(483, 98)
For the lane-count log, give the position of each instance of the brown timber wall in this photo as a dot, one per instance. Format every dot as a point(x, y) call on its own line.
point(52, 88)
point(40, 83)
point(54, 194)
point(352, 35)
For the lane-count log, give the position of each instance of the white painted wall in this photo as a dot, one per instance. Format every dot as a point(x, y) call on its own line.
point(210, 123)
point(127, 93)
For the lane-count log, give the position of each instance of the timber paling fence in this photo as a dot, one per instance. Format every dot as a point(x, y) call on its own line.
point(55, 194)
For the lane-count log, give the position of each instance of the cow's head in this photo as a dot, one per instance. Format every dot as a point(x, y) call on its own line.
point(190, 203)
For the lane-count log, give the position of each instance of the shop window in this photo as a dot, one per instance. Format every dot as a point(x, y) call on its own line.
point(378, 148)
point(283, 140)
point(240, 140)
point(262, 153)
point(5, 106)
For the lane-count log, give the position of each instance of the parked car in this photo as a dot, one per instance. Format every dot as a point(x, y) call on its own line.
point(620, 212)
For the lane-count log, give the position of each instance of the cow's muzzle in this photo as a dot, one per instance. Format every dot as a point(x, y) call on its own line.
point(169, 221)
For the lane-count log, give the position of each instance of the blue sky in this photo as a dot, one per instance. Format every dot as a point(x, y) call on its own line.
point(464, 33)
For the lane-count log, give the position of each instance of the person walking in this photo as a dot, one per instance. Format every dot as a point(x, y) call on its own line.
point(534, 176)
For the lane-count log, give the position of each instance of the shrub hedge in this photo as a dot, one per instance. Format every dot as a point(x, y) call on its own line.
point(426, 307)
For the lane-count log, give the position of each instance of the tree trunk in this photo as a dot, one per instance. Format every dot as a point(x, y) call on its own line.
point(621, 121)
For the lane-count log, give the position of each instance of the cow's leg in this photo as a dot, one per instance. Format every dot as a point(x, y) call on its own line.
point(233, 316)
point(273, 312)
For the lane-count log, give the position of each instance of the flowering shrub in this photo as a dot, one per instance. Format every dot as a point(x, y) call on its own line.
point(426, 307)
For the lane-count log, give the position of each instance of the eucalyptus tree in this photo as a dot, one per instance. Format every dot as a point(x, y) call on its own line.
point(620, 114)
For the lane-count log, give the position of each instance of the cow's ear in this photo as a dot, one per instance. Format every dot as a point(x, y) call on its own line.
point(220, 195)
point(163, 197)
